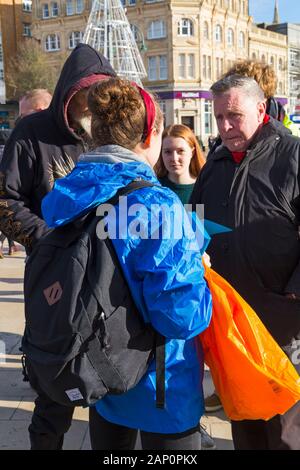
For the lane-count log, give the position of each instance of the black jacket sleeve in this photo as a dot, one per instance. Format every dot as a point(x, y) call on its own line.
point(18, 175)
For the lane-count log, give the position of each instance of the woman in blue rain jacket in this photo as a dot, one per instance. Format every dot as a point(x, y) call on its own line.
point(164, 272)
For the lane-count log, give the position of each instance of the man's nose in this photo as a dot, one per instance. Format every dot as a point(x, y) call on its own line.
point(226, 125)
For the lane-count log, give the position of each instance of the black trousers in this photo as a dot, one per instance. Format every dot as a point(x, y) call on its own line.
point(279, 433)
point(50, 420)
point(108, 436)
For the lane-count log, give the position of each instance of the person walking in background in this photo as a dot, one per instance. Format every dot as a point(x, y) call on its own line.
point(250, 184)
point(44, 147)
point(34, 101)
point(163, 273)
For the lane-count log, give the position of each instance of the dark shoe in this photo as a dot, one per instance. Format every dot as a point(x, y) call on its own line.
point(45, 441)
point(213, 403)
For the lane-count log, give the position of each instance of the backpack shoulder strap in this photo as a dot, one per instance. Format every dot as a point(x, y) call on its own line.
point(160, 350)
point(129, 188)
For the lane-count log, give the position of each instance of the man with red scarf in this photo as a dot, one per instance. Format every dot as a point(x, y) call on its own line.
point(250, 184)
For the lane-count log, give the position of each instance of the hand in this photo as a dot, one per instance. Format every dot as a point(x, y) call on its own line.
point(206, 260)
point(292, 296)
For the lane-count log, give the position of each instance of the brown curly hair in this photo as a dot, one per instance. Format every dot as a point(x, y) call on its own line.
point(118, 113)
point(262, 73)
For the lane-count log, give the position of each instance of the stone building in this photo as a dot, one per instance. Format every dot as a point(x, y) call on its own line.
point(186, 46)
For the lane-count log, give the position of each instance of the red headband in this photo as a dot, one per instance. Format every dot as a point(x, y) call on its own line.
point(150, 113)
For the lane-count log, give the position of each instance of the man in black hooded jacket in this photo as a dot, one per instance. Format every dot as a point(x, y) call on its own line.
point(251, 184)
point(43, 147)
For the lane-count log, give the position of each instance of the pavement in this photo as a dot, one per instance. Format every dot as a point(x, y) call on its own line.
point(16, 396)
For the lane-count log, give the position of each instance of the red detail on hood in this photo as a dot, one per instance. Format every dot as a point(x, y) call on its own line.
point(83, 83)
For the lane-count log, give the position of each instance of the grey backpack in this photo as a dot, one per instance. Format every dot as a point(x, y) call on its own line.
point(83, 336)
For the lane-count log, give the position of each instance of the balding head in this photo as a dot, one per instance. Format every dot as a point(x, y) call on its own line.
point(34, 101)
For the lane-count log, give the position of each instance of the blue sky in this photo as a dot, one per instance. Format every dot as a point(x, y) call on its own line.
point(263, 10)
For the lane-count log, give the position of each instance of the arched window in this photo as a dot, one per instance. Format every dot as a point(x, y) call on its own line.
point(272, 61)
point(75, 38)
point(205, 30)
point(280, 88)
point(185, 27)
point(52, 42)
point(263, 59)
point(280, 64)
point(230, 37)
point(242, 41)
point(254, 56)
point(218, 33)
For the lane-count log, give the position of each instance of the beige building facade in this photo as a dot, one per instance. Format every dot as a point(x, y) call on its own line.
point(186, 46)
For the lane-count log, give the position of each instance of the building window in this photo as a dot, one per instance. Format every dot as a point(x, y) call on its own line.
point(1, 52)
point(135, 31)
point(185, 27)
point(191, 66)
point(69, 7)
point(205, 30)
point(219, 67)
point(157, 29)
point(26, 29)
point(46, 10)
point(254, 56)
point(157, 68)
point(218, 33)
point(54, 9)
point(163, 67)
point(263, 59)
point(280, 88)
point(75, 38)
point(272, 62)
point(230, 37)
point(79, 6)
point(206, 69)
point(52, 42)
point(132, 2)
point(1, 74)
point(204, 66)
point(181, 68)
point(280, 64)
point(242, 42)
point(207, 117)
point(27, 5)
point(152, 73)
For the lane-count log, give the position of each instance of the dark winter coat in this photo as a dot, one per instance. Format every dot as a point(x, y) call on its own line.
point(41, 149)
point(259, 200)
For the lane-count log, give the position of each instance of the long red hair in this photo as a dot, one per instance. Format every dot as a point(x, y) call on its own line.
point(198, 160)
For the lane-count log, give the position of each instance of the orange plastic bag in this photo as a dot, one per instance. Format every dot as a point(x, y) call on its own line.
point(252, 375)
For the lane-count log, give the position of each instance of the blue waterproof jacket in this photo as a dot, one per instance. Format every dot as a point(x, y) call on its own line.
point(164, 274)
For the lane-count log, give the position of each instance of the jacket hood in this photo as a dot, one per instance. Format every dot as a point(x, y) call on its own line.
point(82, 63)
point(93, 182)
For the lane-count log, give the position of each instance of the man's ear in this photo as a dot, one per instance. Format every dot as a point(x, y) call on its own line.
point(261, 108)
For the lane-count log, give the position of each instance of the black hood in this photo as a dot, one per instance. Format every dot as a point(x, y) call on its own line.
point(83, 62)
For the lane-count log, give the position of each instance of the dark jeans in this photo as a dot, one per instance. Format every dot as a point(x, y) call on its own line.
point(279, 433)
point(50, 420)
point(108, 436)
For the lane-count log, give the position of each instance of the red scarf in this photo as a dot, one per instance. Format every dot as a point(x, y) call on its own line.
point(239, 156)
